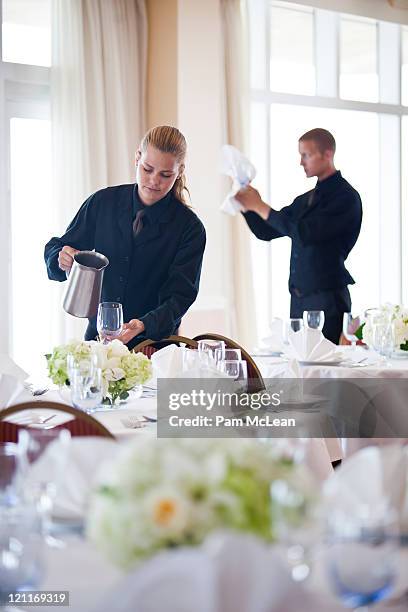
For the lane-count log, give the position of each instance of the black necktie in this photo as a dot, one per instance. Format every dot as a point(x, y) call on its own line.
point(138, 223)
point(311, 198)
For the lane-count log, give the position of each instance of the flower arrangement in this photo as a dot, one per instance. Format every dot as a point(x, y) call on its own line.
point(122, 370)
point(387, 313)
point(164, 493)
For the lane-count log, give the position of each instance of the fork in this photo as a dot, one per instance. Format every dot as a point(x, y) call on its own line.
point(134, 422)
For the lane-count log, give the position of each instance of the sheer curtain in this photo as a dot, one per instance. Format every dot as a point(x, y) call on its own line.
point(236, 76)
point(98, 82)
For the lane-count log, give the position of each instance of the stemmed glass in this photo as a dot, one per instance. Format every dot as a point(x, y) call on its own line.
point(314, 319)
point(109, 321)
point(237, 370)
point(208, 347)
point(46, 451)
point(362, 556)
point(291, 326)
point(11, 473)
point(383, 340)
point(350, 326)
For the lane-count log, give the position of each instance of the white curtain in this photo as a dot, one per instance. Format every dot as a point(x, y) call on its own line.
point(236, 77)
point(98, 84)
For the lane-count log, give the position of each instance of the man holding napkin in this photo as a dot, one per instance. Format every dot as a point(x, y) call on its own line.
point(324, 225)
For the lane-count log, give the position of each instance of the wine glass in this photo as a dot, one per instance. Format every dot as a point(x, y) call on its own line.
point(21, 552)
point(109, 321)
point(46, 451)
point(350, 326)
point(314, 319)
point(362, 556)
point(383, 340)
point(291, 326)
point(86, 389)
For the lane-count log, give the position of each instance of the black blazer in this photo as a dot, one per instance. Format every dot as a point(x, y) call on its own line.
point(322, 232)
point(156, 274)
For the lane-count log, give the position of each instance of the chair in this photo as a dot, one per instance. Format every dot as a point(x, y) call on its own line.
point(148, 347)
point(82, 425)
point(255, 380)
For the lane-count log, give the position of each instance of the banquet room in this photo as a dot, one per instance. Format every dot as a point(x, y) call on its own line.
point(204, 305)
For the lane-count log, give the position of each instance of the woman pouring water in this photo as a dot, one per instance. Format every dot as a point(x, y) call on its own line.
point(152, 238)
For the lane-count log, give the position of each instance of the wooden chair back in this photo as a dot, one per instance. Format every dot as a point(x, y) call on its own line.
point(148, 347)
point(83, 424)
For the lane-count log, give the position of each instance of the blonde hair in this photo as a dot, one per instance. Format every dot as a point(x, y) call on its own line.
point(169, 139)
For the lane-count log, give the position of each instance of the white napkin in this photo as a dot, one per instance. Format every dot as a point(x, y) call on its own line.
point(85, 455)
point(12, 391)
point(8, 366)
point(370, 479)
point(274, 340)
point(229, 572)
point(242, 172)
point(167, 362)
point(310, 345)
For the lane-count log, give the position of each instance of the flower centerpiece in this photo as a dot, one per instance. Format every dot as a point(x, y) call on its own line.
point(164, 493)
point(121, 369)
point(387, 313)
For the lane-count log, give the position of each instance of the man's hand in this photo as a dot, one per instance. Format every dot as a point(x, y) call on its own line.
point(130, 330)
point(250, 199)
point(66, 258)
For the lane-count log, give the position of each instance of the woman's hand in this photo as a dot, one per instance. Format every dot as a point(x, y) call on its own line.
point(130, 330)
point(250, 199)
point(66, 258)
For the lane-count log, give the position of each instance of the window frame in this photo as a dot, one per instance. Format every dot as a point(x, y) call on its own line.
point(327, 37)
point(24, 93)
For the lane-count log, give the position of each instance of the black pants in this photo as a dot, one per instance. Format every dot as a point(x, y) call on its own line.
point(334, 303)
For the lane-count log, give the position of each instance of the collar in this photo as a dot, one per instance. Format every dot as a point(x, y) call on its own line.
point(329, 183)
point(153, 212)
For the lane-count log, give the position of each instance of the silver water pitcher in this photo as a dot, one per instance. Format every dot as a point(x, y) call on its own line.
point(83, 292)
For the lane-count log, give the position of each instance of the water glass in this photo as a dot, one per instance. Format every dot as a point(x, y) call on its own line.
point(227, 354)
point(21, 551)
point(291, 326)
point(210, 346)
point(237, 370)
point(362, 556)
point(83, 363)
point(86, 389)
point(46, 451)
point(314, 319)
point(383, 339)
point(350, 326)
point(12, 463)
point(109, 321)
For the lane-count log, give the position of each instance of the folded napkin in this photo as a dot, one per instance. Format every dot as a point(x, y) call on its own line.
point(8, 366)
point(371, 479)
point(229, 572)
point(12, 391)
point(310, 345)
point(168, 361)
point(242, 172)
point(74, 485)
point(274, 340)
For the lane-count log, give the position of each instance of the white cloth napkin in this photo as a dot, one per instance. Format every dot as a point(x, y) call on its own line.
point(229, 572)
point(12, 391)
point(370, 479)
point(274, 340)
point(235, 165)
point(74, 485)
point(310, 345)
point(8, 366)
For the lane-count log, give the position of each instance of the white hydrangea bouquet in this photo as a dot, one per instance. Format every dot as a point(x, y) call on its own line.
point(388, 313)
point(164, 493)
point(122, 370)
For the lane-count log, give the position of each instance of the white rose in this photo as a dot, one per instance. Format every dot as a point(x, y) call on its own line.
point(114, 374)
point(168, 511)
point(116, 348)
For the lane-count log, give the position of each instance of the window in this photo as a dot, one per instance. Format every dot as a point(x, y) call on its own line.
point(25, 169)
point(343, 73)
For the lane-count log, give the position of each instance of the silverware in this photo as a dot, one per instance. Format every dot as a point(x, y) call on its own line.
point(38, 392)
point(133, 422)
point(149, 419)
